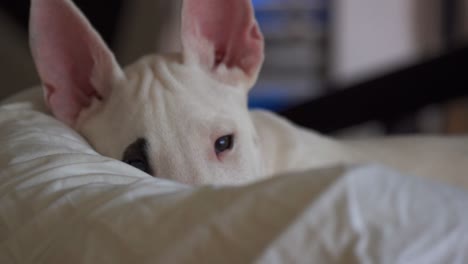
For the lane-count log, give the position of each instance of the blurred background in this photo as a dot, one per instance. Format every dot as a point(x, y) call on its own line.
point(351, 68)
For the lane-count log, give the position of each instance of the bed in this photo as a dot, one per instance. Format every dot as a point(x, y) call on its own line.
point(61, 202)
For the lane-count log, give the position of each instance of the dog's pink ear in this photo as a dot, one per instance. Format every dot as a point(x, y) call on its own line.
point(223, 34)
point(72, 60)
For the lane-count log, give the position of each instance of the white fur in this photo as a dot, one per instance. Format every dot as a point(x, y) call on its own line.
point(181, 110)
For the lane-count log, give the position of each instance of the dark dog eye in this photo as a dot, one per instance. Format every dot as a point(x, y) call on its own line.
point(136, 155)
point(224, 143)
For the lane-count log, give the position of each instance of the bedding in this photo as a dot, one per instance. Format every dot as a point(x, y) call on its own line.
point(61, 202)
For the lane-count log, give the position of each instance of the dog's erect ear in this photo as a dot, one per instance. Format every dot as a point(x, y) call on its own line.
point(72, 60)
point(223, 36)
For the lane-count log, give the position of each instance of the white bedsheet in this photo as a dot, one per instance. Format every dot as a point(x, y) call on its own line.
point(60, 202)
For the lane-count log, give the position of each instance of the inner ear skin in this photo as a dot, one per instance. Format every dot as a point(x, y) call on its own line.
point(136, 154)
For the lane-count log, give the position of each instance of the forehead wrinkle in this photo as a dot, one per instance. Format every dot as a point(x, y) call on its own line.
point(146, 85)
point(164, 71)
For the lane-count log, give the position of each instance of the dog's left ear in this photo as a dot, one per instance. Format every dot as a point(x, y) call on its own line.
point(223, 37)
point(73, 62)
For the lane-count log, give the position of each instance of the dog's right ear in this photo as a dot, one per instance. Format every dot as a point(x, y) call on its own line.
point(72, 60)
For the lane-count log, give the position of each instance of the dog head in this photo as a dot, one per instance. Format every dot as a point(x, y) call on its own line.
point(179, 116)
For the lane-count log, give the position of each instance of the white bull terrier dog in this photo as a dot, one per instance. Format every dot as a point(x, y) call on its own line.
point(184, 116)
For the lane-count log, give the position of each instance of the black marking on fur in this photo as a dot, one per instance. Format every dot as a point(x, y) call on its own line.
point(136, 155)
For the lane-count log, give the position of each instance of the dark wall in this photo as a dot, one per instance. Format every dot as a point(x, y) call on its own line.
point(102, 14)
